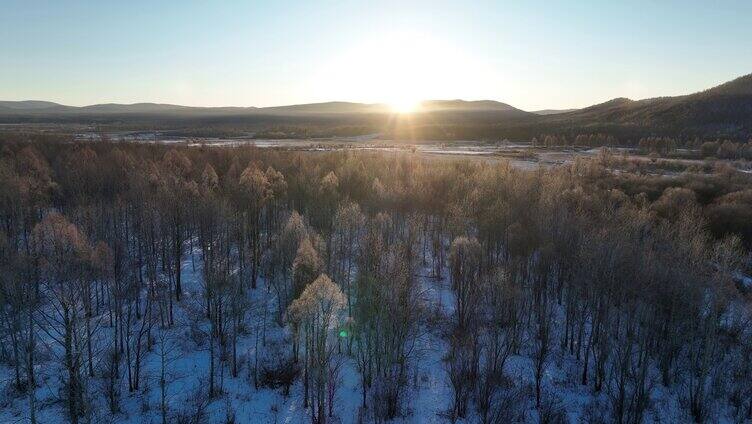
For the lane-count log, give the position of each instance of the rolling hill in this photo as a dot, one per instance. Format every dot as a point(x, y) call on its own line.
point(552, 111)
point(29, 105)
point(40, 107)
point(724, 111)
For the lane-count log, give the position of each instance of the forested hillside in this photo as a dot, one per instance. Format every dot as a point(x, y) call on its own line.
point(150, 283)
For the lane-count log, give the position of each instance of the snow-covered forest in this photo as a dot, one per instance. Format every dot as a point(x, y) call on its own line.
point(171, 284)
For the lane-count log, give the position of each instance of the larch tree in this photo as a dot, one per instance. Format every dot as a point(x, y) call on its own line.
point(317, 312)
point(64, 250)
point(348, 223)
point(306, 267)
point(280, 262)
point(257, 193)
point(464, 258)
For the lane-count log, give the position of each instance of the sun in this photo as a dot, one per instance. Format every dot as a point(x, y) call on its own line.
point(404, 105)
point(398, 68)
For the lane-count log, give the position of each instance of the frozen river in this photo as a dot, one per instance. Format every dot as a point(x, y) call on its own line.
point(521, 155)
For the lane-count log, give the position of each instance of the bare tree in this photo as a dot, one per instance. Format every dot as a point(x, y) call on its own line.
point(64, 251)
point(317, 311)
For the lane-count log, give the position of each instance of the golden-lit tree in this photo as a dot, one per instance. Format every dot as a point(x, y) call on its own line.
point(316, 312)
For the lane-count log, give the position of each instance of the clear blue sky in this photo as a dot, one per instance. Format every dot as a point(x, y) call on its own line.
point(531, 54)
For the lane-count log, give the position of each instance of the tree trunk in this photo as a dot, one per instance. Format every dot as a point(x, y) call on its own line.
point(70, 366)
point(30, 379)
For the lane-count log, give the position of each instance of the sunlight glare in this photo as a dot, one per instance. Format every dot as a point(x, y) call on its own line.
point(404, 105)
point(399, 69)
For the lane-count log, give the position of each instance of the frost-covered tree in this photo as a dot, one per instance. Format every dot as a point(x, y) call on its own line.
point(305, 268)
point(280, 262)
point(348, 223)
point(64, 251)
point(317, 312)
point(256, 190)
point(464, 258)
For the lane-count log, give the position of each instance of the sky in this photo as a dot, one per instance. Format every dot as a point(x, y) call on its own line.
point(530, 54)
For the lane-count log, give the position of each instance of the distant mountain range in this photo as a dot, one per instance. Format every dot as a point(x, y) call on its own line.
point(49, 108)
point(722, 111)
point(552, 111)
point(28, 105)
point(42, 107)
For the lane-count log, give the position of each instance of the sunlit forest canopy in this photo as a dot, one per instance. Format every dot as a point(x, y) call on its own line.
point(284, 272)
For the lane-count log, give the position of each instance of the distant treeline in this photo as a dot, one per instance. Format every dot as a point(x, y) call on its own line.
point(721, 149)
point(487, 126)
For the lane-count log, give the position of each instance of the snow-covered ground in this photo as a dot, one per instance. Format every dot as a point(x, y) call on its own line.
point(188, 365)
point(428, 400)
